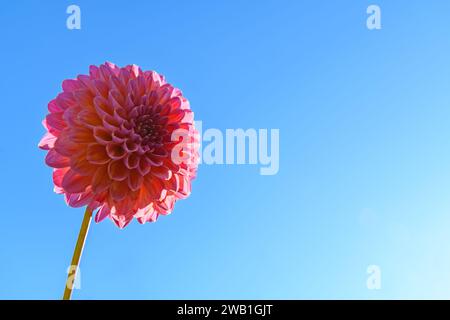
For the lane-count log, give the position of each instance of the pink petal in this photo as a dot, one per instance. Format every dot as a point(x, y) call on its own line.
point(55, 160)
point(75, 183)
point(117, 170)
point(47, 142)
point(56, 121)
point(96, 154)
point(135, 180)
point(118, 190)
point(102, 213)
point(101, 181)
point(70, 85)
point(78, 199)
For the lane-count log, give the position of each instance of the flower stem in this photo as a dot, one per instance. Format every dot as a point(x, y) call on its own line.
point(73, 269)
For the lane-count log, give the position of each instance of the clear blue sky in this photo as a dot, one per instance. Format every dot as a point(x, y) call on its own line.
point(364, 150)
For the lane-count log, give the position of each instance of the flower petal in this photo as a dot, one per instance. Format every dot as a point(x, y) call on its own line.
point(77, 200)
point(96, 154)
point(161, 172)
point(55, 160)
point(74, 182)
point(131, 160)
point(102, 213)
point(134, 180)
point(47, 142)
point(101, 181)
point(117, 170)
point(82, 166)
point(118, 190)
point(56, 121)
point(115, 151)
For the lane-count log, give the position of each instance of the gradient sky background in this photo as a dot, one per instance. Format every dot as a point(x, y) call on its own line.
point(364, 156)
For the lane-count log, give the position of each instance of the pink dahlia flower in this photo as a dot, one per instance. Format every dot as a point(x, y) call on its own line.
point(121, 140)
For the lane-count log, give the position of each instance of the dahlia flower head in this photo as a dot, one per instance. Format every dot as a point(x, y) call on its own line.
point(123, 141)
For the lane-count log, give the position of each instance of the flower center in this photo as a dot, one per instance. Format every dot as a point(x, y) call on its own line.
point(147, 129)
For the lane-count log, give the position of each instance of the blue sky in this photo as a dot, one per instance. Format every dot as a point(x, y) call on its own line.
point(364, 160)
